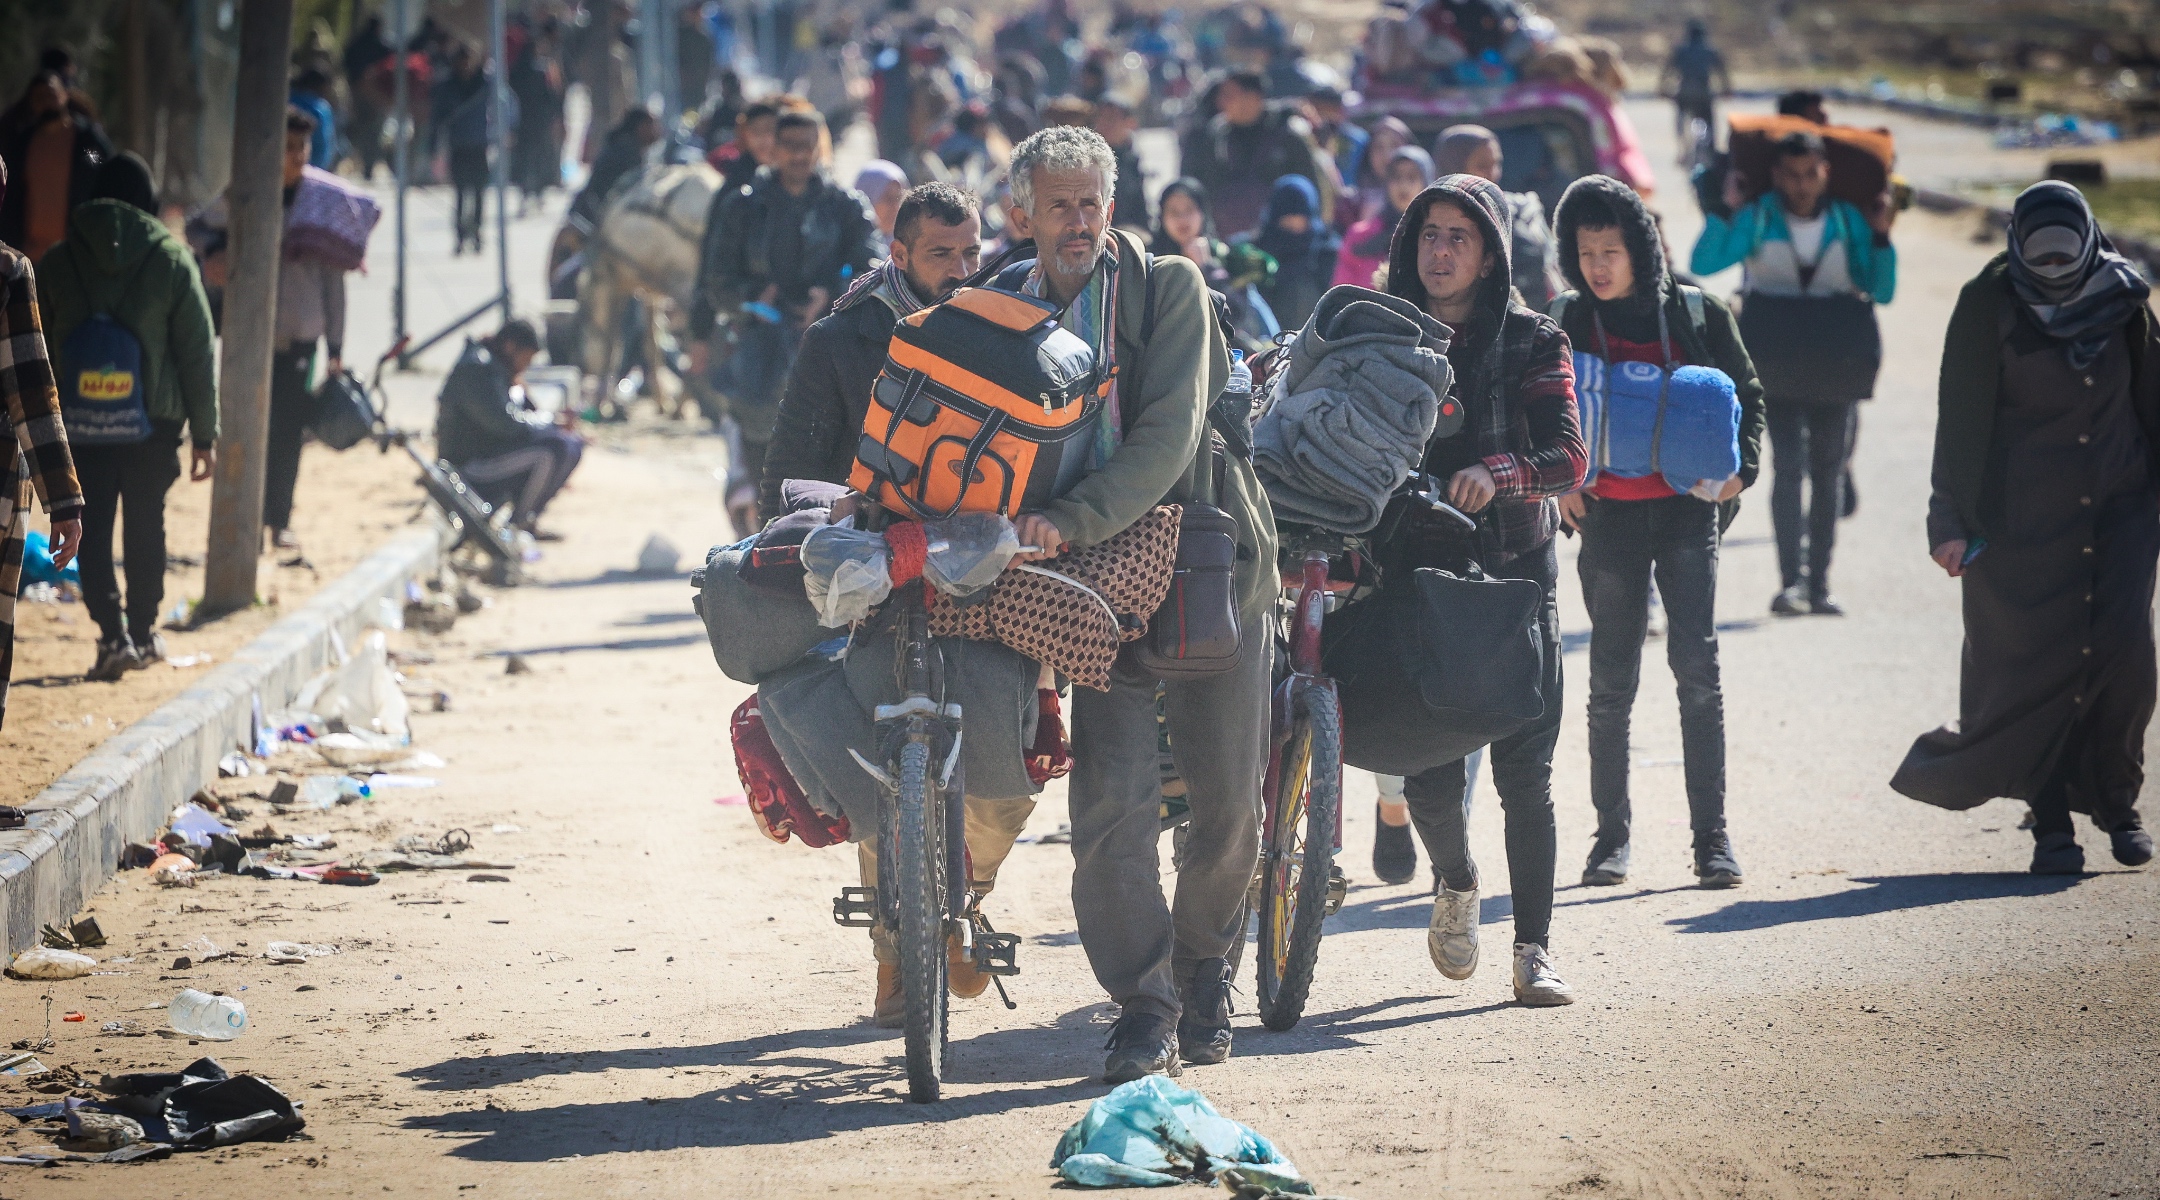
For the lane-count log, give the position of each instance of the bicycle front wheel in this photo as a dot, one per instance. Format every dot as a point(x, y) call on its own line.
point(1295, 857)
point(919, 875)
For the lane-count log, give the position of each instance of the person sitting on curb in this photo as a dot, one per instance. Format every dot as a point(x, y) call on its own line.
point(120, 261)
point(937, 243)
point(1626, 308)
point(492, 435)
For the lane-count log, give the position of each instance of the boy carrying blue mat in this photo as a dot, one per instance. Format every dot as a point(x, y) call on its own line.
point(1673, 417)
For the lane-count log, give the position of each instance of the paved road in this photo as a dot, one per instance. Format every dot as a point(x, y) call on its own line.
point(660, 1005)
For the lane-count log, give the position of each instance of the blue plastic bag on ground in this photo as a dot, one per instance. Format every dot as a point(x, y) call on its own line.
point(37, 565)
point(1152, 1133)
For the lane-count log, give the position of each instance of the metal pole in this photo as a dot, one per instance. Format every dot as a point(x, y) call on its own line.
point(499, 104)
point(256, 228)
point(401, 72)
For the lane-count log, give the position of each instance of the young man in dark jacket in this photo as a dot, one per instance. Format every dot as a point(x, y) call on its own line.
point(120, 260)
point(1248, 145)
point(1626, 308)
point(777, 253)
point(1519, 448)
point(497, 441)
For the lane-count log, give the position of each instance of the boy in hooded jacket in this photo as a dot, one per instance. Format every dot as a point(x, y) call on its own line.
point(1519, 449)
point(1627, 308)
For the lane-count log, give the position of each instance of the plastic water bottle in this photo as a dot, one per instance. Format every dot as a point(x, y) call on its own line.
point(1240, 384)
point(202, 1015)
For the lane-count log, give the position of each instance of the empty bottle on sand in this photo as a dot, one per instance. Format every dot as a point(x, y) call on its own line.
point(202, 1015)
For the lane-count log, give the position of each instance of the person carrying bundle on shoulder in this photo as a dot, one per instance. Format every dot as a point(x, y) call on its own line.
point(1626, 309)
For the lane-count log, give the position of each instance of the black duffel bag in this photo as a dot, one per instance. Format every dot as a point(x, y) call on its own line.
point(341, 415)
point(1435, 665)
point(1812, 349)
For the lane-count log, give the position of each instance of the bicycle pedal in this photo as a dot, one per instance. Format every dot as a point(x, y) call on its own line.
point(856, 908)
point(997, 953)
point(1338, 890)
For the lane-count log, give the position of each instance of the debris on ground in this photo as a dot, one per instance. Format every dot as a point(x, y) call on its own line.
point(297, 952)
point(82, 935)
point(200, 1014)
point(1152, 1132)
point(144, 1117)
point(46, 962)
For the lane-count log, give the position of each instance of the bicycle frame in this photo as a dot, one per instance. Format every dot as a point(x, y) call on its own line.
point(919, 716)
point(1308, 612)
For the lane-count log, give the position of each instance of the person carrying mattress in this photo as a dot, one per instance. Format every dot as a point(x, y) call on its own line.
point(1627, 308)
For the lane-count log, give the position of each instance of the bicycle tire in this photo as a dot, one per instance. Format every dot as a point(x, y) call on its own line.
point(919, 874)
point(1297, 849)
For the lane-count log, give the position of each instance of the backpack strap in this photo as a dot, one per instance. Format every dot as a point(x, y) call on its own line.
point(1697, 318)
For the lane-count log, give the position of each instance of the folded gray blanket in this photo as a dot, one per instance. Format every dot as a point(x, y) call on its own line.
point(1353, 409)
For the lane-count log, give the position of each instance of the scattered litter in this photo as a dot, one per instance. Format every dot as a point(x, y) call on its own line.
point(82, 935)
point(1151, 1132)
point(389, 613)
point(126, 1028)
point(420, 760)
point(379, 781)
point(351, 876)
point(362, 692)
point(46, 962)
point(354, 749)
point(435, 615)
point(194, 825)
point(516, 665)
point(201, 1107)
point(1062, 835)
point(190, 660)
point(487, 879)
point(93, 1132)
point(296, 952)
point(12, 817)
point(234, 766)
point(329, 791)
point(21, 1065)
point(424, 860)
point(505, 829)
point(202, 1015)
point(658, 556)
point(173, 870)
point(74, 1017)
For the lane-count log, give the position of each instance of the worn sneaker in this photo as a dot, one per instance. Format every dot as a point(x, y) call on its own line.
point(1394, 851)
point(114, 659)
point(891, 1009)
point(962, 977)
point(1608, 863)
point(1825, 605)
point(1792, 602)
point(2057, 854)
point(148, 650)
point(1203, 1030)
point(1141, 1043)
point(1537, 980)
point(1451, 939)
point(1715, 866)
point(2132, 845)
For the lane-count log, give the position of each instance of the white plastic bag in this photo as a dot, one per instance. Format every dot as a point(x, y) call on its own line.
point(44, 962)
point(846, 573)
point(358, 749)
point(363, 692)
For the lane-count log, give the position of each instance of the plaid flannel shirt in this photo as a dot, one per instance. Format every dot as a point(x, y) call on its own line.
point(32, 402)
point(1529, 436)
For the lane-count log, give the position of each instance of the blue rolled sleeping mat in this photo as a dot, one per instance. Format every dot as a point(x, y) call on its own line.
point(1638, 419)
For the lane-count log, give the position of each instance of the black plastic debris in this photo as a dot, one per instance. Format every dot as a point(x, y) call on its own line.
point(199, 1107)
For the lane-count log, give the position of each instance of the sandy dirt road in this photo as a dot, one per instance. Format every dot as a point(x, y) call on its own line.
point(658, 1003)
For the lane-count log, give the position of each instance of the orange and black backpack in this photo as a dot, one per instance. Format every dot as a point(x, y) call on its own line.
point(978, 394)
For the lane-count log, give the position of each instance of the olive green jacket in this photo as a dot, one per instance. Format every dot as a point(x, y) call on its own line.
point(1166, 380)
point(120, 260)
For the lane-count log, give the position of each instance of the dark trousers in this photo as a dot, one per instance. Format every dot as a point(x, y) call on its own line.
point(1809, 444)
point(469, 179)
point(1439, 798)
point(135, 478)
point(1143, 950)
point(527, 478)
point(290, 404)
point(1625, 543)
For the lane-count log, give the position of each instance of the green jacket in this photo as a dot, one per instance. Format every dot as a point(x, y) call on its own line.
point(1163, 399)
point(1970, 384)
point(121, 260)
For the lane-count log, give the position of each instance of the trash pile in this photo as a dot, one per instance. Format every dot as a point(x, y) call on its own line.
point(1152, 1132)
point(2049, 130)
point(1418, 45)
point(148, 1116)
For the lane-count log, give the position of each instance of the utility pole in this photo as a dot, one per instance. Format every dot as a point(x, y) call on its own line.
point(499, 116)
point(403, 104)
point(255, 230)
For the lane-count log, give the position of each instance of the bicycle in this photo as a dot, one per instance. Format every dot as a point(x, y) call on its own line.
point(474, 519)
point(1297, 885)
point(922, 842)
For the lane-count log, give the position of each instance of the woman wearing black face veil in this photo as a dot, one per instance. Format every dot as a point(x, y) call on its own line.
point(2047, 505)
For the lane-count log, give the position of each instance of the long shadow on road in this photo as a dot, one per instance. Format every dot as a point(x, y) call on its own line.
point(792, 1093)
point(1894, 893)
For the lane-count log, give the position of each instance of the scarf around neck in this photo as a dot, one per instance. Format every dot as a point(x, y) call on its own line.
point(2080, 303)
point(1092, 317)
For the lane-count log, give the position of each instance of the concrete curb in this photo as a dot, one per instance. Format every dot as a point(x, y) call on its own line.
point(127, 787)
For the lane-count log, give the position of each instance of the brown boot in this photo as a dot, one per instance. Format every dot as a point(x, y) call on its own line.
point(891, 1009)
point(962, 978)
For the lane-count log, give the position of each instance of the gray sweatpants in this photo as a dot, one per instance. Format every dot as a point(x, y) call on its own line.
point(1143, 950)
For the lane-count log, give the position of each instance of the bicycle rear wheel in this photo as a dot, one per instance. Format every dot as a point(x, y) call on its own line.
point(919, 874)
point(1297, 850)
